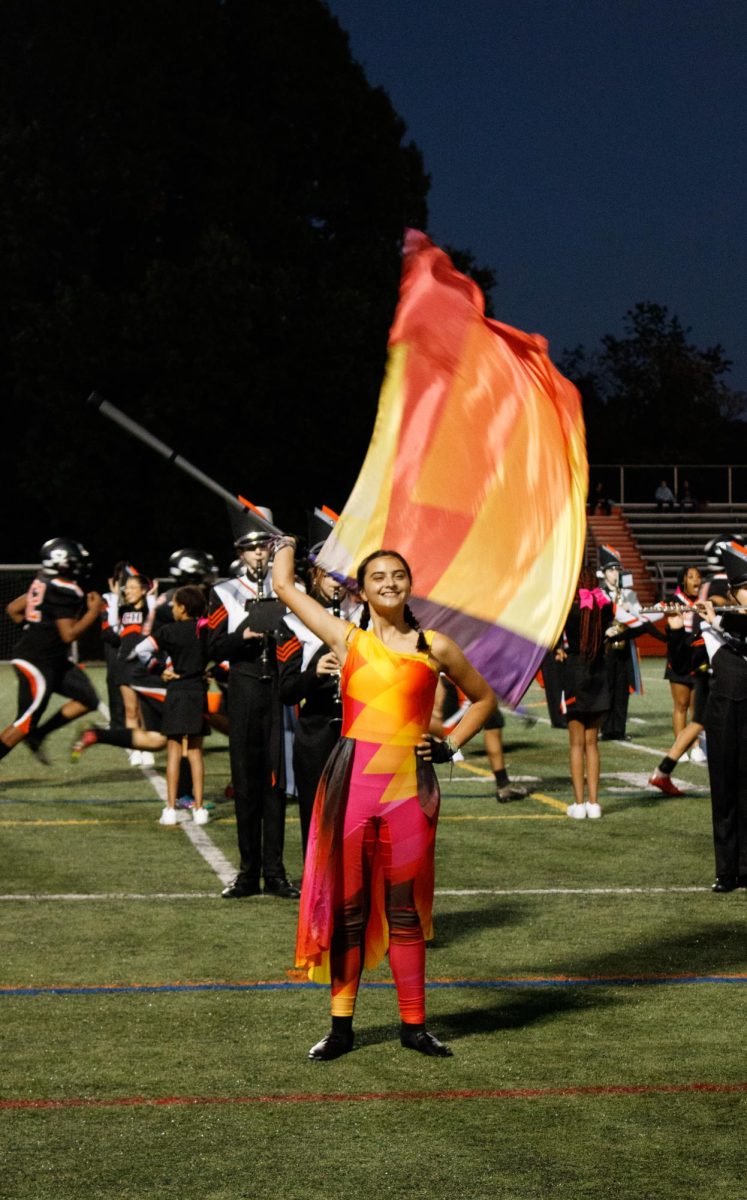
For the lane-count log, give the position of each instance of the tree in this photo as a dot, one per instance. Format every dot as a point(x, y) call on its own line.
point(654, 396)
point(201, 208)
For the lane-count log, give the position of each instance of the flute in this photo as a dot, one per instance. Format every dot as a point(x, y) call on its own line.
point(676, 610)
point(337, 612)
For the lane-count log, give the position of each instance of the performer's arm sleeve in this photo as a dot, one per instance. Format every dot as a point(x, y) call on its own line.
point(714, 640)
point(295, 684)
point(145, 651)
point(222, 644)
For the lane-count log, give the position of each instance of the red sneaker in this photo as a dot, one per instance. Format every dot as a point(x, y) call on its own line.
point(664, 784)
point(88, 738)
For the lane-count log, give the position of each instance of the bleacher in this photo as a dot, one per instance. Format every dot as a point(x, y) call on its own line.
point(668, 540)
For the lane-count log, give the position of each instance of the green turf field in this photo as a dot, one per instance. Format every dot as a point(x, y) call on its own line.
point(593, 989)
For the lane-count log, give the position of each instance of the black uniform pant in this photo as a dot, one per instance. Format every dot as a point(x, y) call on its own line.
point(616, 665)
point(254, 729)
point(113, 680)
point(726, 730)
point(313, 743)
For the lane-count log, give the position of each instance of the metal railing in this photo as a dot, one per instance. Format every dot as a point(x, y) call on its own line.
point(635, 483)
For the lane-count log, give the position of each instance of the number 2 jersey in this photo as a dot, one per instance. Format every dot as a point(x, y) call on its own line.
point(47, 602)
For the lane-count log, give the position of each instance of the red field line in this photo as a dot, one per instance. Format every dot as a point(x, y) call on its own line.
point(612, 1089)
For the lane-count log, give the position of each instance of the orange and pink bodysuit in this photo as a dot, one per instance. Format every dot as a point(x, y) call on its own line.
point(368, 878)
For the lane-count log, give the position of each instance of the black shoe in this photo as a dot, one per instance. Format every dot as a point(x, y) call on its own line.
point(725, 883)
point(332, 1046)
point(512, 791)
point(282, 888)
point(241, 887)
point(742, 881)
point(38, 750)
point(424, 1042)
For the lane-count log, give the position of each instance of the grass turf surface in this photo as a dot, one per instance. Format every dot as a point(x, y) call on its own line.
point(381, 1119)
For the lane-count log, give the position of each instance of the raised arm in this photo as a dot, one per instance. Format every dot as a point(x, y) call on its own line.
point(315, 616)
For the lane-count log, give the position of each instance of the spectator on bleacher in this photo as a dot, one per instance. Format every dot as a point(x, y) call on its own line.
point(664, 496)
point(599, 503)
point(685, 498)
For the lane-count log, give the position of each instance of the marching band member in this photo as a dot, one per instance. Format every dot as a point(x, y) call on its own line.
point(243, 617)
point(725, 636)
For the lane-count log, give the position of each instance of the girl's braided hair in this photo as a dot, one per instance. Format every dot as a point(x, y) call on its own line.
point(591, 629)
point(410, 618)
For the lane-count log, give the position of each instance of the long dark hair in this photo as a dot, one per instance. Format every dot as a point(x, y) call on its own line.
point(683, 573)
point(592, 620)
point(410, 618)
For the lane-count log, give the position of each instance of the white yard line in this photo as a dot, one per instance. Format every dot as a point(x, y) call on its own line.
point(203, 844)
point(586, 891)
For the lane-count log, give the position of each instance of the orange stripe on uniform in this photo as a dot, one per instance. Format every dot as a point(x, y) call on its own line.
point(288, 649)
point(216, 617)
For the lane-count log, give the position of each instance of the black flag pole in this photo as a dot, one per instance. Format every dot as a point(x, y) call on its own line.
point(175, 459)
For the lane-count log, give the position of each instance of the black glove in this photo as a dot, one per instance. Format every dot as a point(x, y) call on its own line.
point(441, 752)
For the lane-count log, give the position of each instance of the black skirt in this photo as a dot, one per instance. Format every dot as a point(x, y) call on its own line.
point(184, 712)
point(585, 687)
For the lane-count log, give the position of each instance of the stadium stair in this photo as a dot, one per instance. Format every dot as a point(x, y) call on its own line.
point(615, 531)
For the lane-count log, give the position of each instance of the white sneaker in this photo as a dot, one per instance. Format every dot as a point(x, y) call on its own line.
point(147, 758)
point(698, 756)
point(136, 758)
point(685, 757)
point(200, 816)
point(577, 811)
point(168, 816)
point(593, 810)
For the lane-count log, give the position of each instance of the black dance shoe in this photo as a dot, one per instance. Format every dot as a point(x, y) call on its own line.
point(332, 1046)
point(511, 791)
point(241, 887)
point(424, 1042)
point(725, 883)
point(282, 888)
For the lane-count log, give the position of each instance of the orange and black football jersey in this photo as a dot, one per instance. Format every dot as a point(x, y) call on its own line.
point(47, 602)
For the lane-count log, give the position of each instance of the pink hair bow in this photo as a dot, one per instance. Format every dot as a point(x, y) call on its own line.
point(587, 597)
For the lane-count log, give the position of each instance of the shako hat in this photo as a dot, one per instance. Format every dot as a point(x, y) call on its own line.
point(609, 557)
point(734, 560)
point(251, 526)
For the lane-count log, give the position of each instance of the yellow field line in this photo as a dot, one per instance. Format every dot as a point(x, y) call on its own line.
point(475, 770)
point(506, 816)
point(20, 823)
point(550, 801)
point(82, 821)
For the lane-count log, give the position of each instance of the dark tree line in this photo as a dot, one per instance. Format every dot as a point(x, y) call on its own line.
point(202, 203)
point(653, 396)
point(201, 212)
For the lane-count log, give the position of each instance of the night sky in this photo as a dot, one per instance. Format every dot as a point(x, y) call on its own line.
point(592, 152)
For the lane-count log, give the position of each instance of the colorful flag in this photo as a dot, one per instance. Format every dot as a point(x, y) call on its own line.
point(476, 473)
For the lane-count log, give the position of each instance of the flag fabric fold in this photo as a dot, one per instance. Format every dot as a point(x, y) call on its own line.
point(476, 473)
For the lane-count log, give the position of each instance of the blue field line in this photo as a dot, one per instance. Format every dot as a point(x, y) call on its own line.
point(10, 993)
